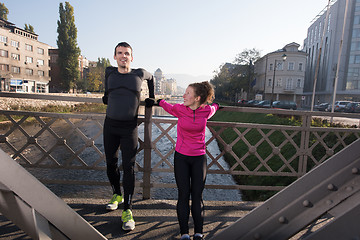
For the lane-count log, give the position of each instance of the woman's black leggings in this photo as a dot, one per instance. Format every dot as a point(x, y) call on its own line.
point(190, 175)
point(127, 138)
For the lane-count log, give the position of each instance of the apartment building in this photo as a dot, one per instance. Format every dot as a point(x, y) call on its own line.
point(24, 61)
point(333, 47)
point(280, 75)
point(170, 86)
point(159, 79)
point(164, 86)
point(55, 83)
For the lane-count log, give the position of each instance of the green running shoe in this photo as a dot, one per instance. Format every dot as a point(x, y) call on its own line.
point(114, 202)
point(128, 220)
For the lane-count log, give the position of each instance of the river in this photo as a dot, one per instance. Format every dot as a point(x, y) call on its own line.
point(212, 179)
point(164, 145)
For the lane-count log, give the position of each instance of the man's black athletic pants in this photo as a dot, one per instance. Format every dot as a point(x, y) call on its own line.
point(124, 135)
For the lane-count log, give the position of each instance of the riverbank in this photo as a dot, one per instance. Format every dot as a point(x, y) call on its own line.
point(17, 103)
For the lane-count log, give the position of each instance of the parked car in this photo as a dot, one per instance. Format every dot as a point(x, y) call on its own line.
point(243, 102)
point(353, 107)
point(252, 103)
point(284, 104)
point(339, 106)
point(321, 106)
point(263, 104)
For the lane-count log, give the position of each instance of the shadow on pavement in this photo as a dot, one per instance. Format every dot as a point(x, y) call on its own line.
point(155, 219)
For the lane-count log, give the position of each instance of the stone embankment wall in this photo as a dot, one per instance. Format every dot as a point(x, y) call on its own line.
point(11, 103)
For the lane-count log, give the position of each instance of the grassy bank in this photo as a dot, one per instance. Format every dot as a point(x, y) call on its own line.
point(288, 150)
point(77, 108)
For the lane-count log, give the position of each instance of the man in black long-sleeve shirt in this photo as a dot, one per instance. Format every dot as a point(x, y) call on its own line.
point(122, 95)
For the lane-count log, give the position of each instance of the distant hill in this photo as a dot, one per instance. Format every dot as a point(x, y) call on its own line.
point(183, 80)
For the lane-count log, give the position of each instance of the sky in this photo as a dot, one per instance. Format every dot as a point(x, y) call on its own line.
point(187, 39)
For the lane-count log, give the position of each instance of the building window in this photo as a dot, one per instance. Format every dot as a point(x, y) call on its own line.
point(357, 59)
point(16, 85)
point(15, 43)
point(4, 67)
point(3, 39)
point(355, 46)
point(353, 72)
point(356, 33)
point(354, 59)
point(41, 51)
point(300, 66)
point(3, 53)
point(40, 87)
point(15, 56)
point(41, 73)
point(279, 82)
point(279, 66)
point(352, 85)
point(289, 84)
point(29, 72)
point(15, 69)
point(53, 59)
point(40, 62)
point(269, 83)
point(298, 83)
point(271, 67)
point(29, 60)
point(291, 66)
point(29, 47)
point(353, 78)
point(357, 19)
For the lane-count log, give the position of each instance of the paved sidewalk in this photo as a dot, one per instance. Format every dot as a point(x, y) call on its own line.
point(155, 219)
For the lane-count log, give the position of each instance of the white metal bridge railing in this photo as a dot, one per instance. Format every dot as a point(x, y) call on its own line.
point(73, 142)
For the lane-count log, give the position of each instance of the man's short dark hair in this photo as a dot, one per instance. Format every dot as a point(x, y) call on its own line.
point(123, 44)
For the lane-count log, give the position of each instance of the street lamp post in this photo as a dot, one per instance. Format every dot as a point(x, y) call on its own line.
point(273, 81)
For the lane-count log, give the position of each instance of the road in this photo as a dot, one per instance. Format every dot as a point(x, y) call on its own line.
point(345, 121)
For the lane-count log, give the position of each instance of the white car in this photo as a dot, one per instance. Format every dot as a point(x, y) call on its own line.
point(339, 106)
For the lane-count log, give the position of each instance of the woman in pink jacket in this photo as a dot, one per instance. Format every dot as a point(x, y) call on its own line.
point(190, 153)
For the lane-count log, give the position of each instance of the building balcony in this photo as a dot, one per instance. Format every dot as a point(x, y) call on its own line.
point(287, 90)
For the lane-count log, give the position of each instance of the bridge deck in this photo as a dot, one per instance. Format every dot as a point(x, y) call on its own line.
point(155, 219)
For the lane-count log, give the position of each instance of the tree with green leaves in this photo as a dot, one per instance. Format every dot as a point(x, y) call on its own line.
point(95, 78)
point(3, 11)
point(247, 56)
point(29, 28)
point(68, 50)
point(231, 79)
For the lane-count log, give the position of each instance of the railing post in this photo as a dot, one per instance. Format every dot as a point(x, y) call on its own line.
point(304, 144)
point(147, 153)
